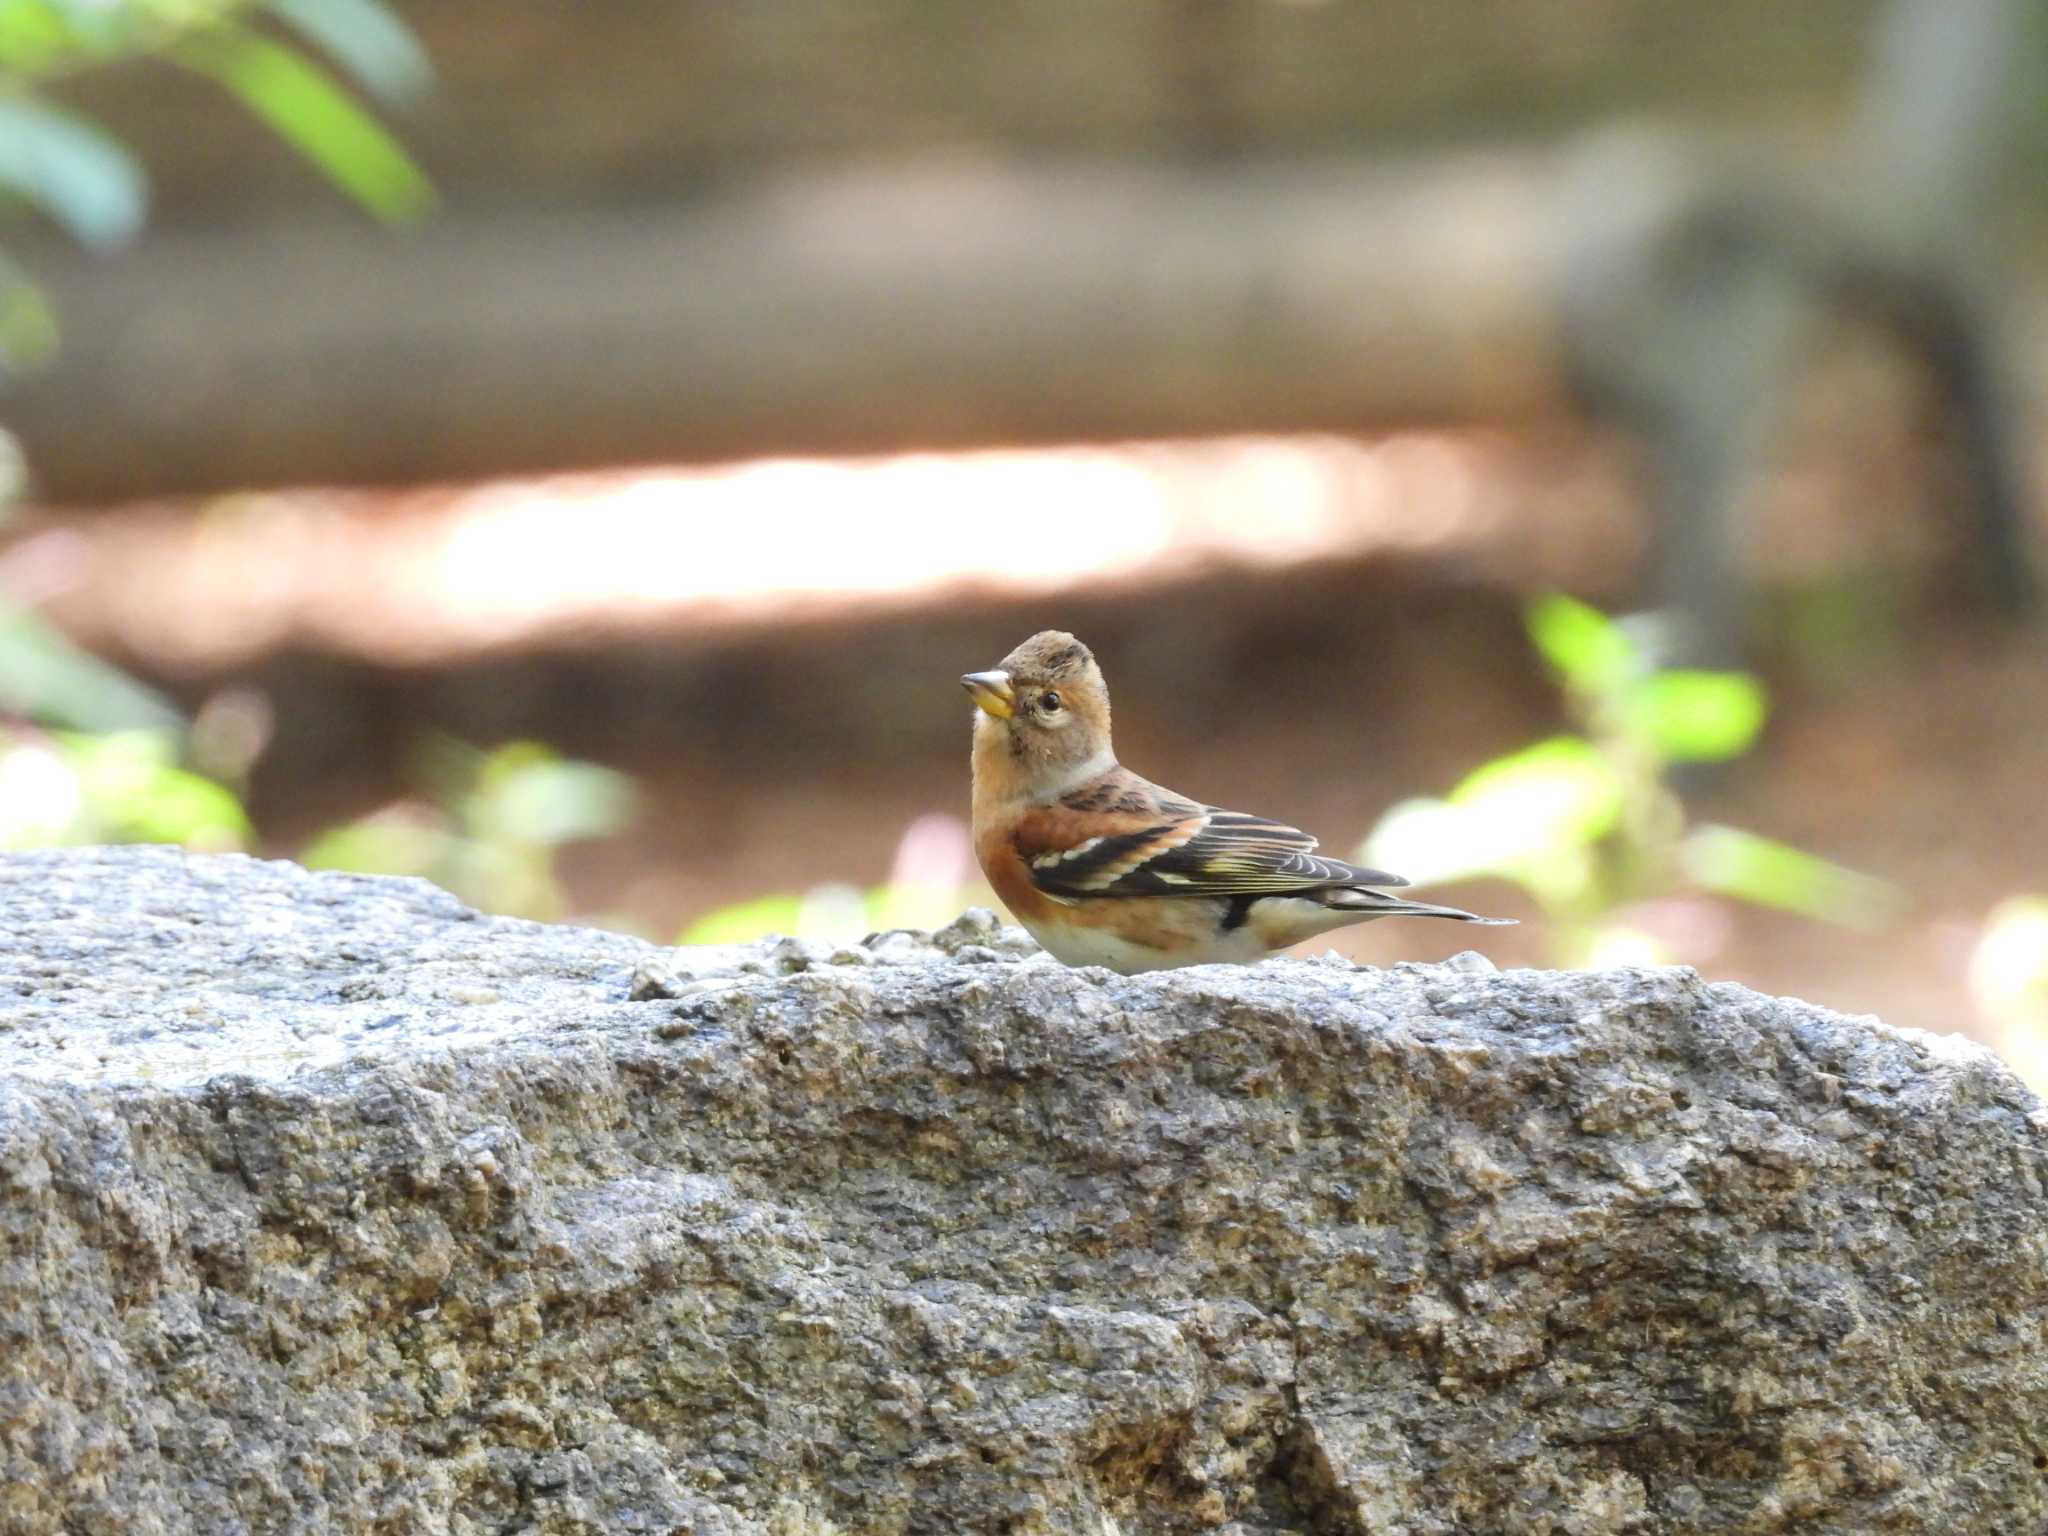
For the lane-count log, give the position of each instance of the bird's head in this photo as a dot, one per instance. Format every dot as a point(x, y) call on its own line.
point(1042, 715)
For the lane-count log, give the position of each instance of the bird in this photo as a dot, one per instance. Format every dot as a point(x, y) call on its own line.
point(1105, 868)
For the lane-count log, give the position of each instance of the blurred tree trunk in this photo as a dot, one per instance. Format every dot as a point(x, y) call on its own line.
point(852, 313)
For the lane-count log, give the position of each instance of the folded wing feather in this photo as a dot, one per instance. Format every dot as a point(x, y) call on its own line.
point(1165, 846)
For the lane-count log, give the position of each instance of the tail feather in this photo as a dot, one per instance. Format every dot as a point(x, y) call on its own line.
point(1368, 902)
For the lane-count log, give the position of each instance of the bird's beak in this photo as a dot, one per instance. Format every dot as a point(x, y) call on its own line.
point(992, 692)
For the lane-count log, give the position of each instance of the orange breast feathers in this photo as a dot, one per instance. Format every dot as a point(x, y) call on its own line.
point(1010, 876)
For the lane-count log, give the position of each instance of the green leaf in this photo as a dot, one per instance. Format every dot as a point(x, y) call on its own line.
point(28, 339)
point(1697, 717)
point(1429, 842)
point(366, 38)
point(1558, 793)
point(450, 769)
point(1530, 816)
point(51, 36)
point(72, 171)
point(517, 880)
point(911, 904)
point(307, 109)
point(746, 921)
point(1769, 873)
point(388, 843)
point(1586, 648)
point(134, 791)
point(33, 33)
point(527, 794)
point(181, 807)
point(47, 679)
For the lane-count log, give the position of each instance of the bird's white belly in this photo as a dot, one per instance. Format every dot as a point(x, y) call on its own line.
point(1098, 946)
point(1272, 925)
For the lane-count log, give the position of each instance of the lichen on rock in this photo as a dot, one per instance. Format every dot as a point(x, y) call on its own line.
point(328, 1205)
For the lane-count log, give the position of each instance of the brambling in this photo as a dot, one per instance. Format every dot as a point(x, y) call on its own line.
point(1105, 868)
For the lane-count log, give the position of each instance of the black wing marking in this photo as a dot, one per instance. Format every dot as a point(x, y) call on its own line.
point(1218, 853)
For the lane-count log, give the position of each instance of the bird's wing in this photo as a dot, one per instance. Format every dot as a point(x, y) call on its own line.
point(1145, 841)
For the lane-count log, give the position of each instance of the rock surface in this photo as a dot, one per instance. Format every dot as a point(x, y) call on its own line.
point(327, 1205)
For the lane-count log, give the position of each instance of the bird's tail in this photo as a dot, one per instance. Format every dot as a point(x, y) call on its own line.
point(1370, 903)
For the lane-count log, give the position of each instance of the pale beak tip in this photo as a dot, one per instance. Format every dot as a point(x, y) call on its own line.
point(992, 692)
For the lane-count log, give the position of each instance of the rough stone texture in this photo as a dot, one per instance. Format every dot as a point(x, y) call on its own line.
point(327, 1205)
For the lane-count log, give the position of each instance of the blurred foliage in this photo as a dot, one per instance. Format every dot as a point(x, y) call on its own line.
point(45, 678)
point(2009, 971)
point(125, 787)
point(1589, 823)
point(1843, 622)
point(99, 759)
point(2009, 980)
point(489, 829)
point(929, 882)
point(488, 826)
point(89, 755)
point(830, 914)
point(61, 163)
point(92, 756)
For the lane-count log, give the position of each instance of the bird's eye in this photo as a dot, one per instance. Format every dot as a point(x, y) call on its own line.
point(1048, 701)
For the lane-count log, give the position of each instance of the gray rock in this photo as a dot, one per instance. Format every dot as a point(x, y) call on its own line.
point(1472, 961)
point(327, 1205)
